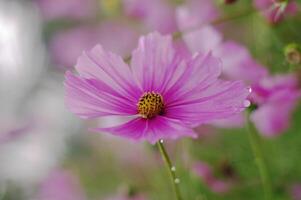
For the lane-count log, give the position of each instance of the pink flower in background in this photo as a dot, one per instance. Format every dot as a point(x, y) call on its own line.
point(196, 13)
point(60, 185)
point(272, 94)
point(238, 63)
point(274, 10)
point(76, 40)
point(81, 38)
point(204, 171)
point(165, 94)
point(70, 9)
point(276, 97)
point(155, 14)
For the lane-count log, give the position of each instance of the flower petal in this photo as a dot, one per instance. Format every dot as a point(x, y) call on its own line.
point(238, 63)
point(219, 100)
point(90, 98)
point(199, 72)
point(273, 117)
point(195, 13)
point(167, 128)
point(203, 39)
point(134, 129)
point(152, 60)
point(151, 130)
point(110, 69)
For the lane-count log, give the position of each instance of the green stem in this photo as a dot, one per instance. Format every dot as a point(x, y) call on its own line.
point(259, 158)
point(171, 169)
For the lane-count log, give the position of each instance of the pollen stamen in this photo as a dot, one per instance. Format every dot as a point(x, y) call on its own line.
point(150, 104)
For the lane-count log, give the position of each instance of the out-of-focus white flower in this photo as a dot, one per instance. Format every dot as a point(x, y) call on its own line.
point(22, 55)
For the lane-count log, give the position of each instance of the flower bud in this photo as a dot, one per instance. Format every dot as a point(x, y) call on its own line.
point(292, 54)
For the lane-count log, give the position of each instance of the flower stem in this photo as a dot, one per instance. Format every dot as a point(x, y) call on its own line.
point(171, 169)
point(259, 158)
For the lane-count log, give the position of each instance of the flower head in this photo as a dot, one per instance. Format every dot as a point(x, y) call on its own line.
point(274, 95)
point(274, 10)
point(166, 94)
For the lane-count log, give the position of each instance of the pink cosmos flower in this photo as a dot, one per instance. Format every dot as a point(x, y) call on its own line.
point(204, 171)
point(165, 94)
point(71, 9)
point(274, 10)
point(276, 97)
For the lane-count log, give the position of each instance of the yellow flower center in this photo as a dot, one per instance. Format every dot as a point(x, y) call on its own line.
point(150, 104)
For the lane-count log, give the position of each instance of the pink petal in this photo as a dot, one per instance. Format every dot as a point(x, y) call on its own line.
point(196, 13)
point(166, 128)
point(155, 14)
point(273, 117)
point(203, 40)
point(90, 98)
point(110, 69)
point(272, 11)
point(219, 100)
point(238, 63)
point(199, 72)
point(151, 130)
point(134, 129)
point(152, 61)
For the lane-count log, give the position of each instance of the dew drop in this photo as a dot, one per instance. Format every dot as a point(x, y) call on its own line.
point(246, 103)
point(161, 141)
point(250, 89)
point(173, 168)
point(177, 180)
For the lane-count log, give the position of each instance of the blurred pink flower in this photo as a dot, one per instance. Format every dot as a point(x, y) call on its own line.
point(276, 97)
point(295, 191)
point(274, 10)
point(70, 9)
point(75, 40)
point(166, 94)
point(156, 15)
point(272, 94)
point(195, 13)
point(85, 37)
point(238, 63)
point(204, 171)
point(60, 185)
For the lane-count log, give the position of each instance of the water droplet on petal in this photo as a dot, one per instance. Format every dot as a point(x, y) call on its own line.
point(173, 168)
point(250, 89)
point(161, 141)
point(177, 181)
point(247, 103)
